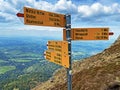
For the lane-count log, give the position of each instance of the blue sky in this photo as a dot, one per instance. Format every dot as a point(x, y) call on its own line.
point(85, 13)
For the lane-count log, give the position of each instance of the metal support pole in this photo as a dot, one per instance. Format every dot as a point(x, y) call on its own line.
point(68, 36)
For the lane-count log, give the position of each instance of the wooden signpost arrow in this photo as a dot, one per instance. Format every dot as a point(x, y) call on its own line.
point(88, 34)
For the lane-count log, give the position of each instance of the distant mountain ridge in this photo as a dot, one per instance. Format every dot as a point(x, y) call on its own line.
point(98, 72)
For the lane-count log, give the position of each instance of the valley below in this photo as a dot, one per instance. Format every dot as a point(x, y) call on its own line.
point(22, 63)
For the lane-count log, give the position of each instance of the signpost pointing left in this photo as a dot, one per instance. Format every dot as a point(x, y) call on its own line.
point(42, 18)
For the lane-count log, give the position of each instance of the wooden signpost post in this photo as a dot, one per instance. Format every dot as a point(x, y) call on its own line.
point(59, 52)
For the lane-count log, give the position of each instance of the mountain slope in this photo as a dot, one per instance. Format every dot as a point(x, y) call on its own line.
point(99, 72)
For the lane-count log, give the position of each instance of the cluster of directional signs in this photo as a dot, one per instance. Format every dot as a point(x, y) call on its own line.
point(56, 49)
point(59, 51)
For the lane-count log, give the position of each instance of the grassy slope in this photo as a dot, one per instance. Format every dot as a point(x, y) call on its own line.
point(2, 61)
point(94, 73)
point(97, 78)
point(4, 69)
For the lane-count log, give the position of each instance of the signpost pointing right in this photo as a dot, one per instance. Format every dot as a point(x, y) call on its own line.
point(88, 34)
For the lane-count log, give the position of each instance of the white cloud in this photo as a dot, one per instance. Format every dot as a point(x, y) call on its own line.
point(84, 11)
point(7, 7)
point(62, 6)
point(43, 5)
point(65, 6)
point(116, 7)
point(7, 11)
point(97, 9)
point(7, 16)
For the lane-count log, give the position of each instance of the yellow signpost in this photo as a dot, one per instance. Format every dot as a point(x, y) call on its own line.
point(88, 34)
point(43, 18)
point(58, 46)
point(58, 53)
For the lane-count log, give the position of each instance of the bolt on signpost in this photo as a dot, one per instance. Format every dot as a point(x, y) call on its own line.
point(59, 52)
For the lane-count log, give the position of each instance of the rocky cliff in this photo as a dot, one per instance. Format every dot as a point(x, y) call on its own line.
point(99, 72)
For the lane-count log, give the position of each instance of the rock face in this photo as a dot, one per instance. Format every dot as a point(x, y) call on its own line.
point(117, 41)
point(99, 72)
